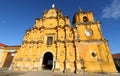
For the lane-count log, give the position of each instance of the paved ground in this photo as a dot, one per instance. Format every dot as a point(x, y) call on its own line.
point(50, 73)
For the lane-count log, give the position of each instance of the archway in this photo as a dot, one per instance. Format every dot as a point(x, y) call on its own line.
point(47, 63)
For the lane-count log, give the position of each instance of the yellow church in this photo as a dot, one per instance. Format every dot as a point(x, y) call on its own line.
point(53, 44)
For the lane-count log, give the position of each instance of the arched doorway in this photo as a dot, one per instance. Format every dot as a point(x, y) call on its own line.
point(47, 63)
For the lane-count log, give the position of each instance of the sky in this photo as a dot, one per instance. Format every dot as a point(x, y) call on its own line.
point(18, 15)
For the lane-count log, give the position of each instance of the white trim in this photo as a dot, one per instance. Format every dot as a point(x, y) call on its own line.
point(48, 51)
point(11, 51)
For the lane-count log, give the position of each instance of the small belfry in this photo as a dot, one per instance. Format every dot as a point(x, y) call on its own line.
point(52, 44)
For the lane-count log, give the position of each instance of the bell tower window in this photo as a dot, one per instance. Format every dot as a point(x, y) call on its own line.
point(49, 40)
point(85, 19)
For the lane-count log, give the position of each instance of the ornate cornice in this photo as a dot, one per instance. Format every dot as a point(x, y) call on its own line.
point(24, 41)
point(20, 59)
point(92, 41)
point(40, 41)
point(42, 27)
point(32, 41)
point(60, 41)
point(87, 23)
point(36, 28)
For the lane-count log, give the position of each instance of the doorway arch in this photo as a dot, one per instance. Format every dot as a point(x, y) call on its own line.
point(47, 63)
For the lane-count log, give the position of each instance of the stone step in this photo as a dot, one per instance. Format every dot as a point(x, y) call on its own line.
point(2, 69)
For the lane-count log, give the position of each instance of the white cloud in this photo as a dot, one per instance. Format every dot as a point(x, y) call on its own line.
point(112, 11)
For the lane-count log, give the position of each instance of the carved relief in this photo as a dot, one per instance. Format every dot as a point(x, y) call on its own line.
point(71, 53)
point(70, 35)
point(62, 53)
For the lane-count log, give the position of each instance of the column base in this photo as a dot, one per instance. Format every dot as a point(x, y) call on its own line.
point(78, 67)
point(78, 71)
point(67, 70)
point(67, 66)
point(56, 70)
point(56, 66)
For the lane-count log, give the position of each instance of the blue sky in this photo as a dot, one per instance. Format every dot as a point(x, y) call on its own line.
point(18, 15)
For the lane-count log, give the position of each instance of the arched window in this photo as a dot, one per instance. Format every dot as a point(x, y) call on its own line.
point(85, 19)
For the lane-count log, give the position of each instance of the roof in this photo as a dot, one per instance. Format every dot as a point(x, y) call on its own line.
point(116, 56)
point(3, 45)
point(13, 47)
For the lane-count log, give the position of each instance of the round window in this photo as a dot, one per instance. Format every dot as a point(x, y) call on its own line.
point(93, 54)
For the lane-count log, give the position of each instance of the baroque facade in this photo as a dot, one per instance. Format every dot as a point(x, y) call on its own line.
point(53, 44)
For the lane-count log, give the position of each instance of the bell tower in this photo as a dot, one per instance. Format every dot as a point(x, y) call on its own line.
point(93, 49)
point(87, 27)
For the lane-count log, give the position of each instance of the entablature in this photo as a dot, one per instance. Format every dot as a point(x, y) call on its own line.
point(87, 23)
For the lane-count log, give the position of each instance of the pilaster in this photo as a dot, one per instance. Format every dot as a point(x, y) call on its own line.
point(77, 59)
point(67, 60)
point(57, 61)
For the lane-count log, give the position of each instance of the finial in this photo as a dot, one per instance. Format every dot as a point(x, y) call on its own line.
point(53, 5)
point(80, 10)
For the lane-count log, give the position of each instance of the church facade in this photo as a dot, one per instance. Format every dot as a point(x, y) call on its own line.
point(52, 44)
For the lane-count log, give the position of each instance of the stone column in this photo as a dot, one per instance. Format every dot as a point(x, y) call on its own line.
point(38, 61)
point(77, 59)
point(57, 60)
point(41, 60)
point(67, 61)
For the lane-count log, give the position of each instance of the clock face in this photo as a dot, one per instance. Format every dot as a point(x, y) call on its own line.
point(88, 32)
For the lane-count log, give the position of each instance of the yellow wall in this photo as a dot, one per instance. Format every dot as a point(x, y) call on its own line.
point(74, 49)
point(4, 55)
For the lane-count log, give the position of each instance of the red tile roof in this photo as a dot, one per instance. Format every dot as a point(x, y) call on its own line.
point(3, 45)
point(116, 56)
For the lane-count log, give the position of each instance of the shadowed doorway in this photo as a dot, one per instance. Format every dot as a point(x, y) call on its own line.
point(47, 63)
point(8, 60)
